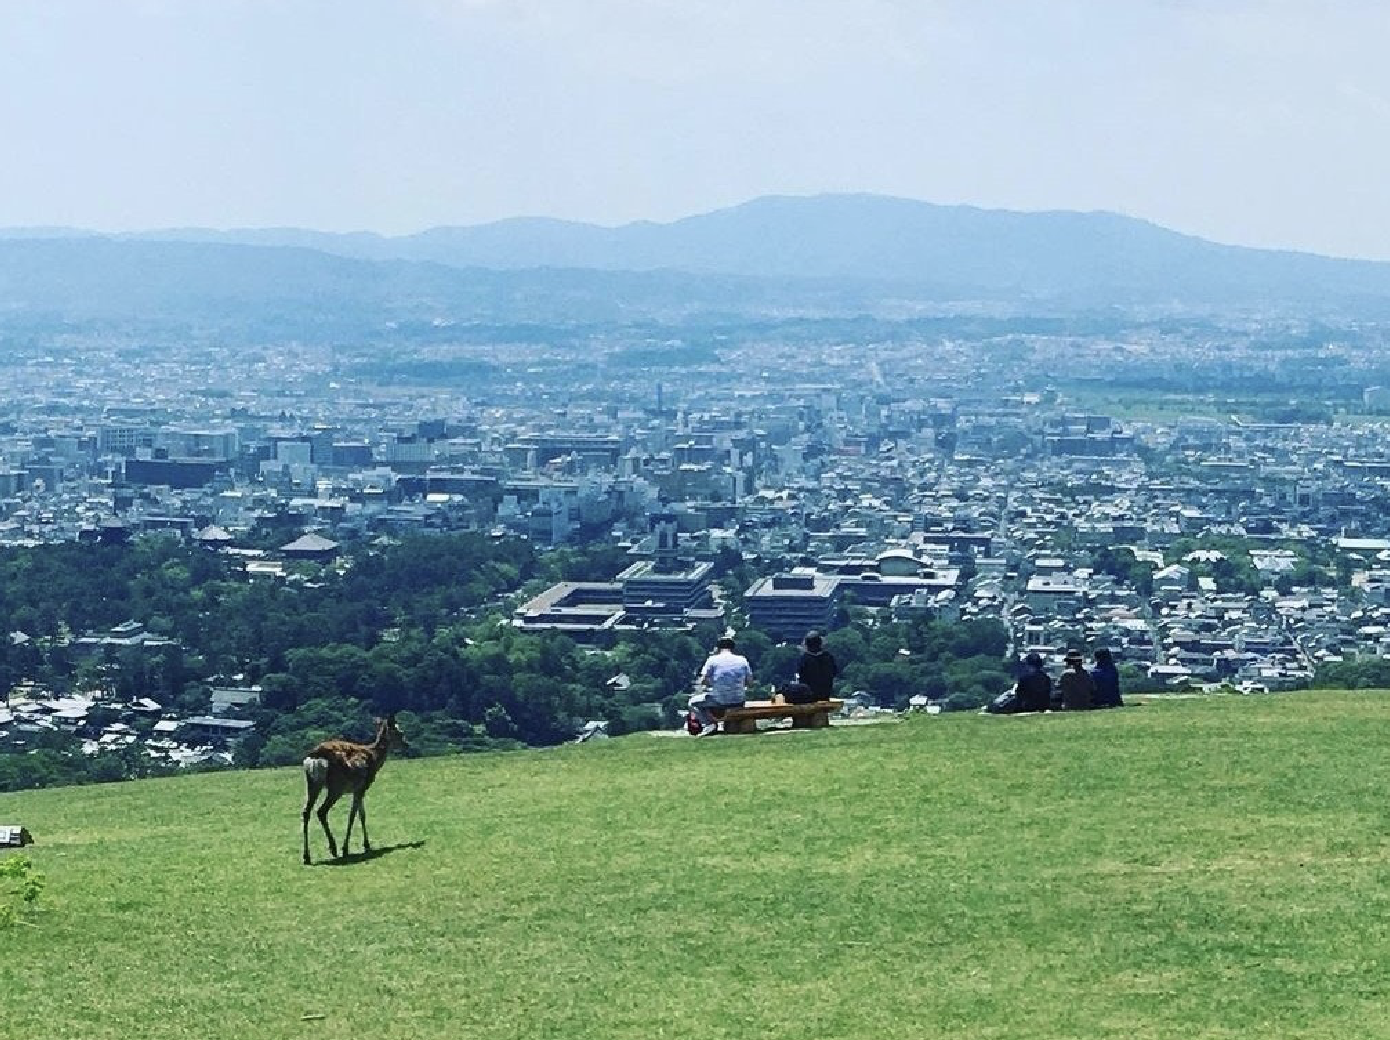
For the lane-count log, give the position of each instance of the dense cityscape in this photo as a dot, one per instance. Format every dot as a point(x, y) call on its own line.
point(1204, 497)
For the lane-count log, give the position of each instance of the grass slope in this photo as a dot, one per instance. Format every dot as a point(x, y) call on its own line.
point(1211, 868)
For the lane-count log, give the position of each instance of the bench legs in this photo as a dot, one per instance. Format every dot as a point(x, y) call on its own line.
point(740, 725)
point(814, 721)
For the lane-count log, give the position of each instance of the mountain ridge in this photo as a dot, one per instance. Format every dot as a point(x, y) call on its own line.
point(1089, 258)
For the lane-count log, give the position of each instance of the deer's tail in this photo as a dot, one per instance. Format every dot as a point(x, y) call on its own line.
point(316, 770)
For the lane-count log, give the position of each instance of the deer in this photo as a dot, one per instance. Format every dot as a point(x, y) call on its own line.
point(341, 767)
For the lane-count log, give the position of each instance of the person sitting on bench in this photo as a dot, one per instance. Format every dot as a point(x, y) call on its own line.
point(815, 673)
point(725, 679)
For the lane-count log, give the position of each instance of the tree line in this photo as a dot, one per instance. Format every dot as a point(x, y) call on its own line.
point(419, 627)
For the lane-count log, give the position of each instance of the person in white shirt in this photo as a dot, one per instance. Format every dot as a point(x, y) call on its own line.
point(724, 680)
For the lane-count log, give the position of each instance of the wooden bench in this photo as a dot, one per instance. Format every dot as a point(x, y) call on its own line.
point(14, 836)
point(804, 716)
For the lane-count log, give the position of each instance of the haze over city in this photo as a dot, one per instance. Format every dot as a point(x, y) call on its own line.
point(1253, 123)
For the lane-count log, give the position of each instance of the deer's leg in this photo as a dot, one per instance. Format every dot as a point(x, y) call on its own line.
point(328, 801)
point(313, 797)
point(353, 810)
point(362, 815)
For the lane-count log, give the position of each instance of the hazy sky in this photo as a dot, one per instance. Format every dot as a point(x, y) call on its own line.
point(1263, 122)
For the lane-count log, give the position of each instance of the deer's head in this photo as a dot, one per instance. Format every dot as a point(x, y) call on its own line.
point(395, 739)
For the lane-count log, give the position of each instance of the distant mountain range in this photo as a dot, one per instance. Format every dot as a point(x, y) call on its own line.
point(939, 252)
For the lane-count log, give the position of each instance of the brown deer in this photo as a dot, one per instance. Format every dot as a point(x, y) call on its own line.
point(343, 767)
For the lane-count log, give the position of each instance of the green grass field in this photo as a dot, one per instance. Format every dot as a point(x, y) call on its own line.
point(1193, 868)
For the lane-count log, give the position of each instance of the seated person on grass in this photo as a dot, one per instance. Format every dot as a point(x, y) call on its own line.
point(1034, 686)
point(1105, 679)
point(1075, 684)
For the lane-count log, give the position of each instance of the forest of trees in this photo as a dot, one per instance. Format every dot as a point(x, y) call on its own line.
point(418, 627)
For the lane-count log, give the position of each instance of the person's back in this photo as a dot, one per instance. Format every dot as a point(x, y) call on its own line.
point(1106, 679)
point(1074, 684)
point(1034, 691)
point(817, 670)
point(726, 674)
point(724, 684)
point(1034, 686)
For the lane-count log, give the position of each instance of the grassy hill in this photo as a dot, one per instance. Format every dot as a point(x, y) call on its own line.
point(1195, 868)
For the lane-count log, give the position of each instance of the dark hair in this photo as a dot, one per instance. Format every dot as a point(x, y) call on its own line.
point(812, 641)
point(1033, 661)
point(1103, 656)
point(725, 643)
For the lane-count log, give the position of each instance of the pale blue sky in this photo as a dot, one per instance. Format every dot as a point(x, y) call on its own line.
point(1262, 122)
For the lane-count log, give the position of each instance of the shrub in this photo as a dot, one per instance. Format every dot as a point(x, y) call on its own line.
point(20, 888)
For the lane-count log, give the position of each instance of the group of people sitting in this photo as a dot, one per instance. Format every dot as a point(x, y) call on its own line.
point(726, 676)
point(1076, 689)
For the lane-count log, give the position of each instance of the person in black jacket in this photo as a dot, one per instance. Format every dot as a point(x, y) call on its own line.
point(1075, 683)
point(1106, 678)
point(1034, 686)
point(815, 673)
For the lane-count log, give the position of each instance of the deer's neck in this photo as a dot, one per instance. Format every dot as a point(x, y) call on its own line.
point(379, 748)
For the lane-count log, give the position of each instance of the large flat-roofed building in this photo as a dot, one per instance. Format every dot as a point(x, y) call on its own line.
point(1054, 594)
point(546, 446)
point(213, 730)
point(200, 442)
point(787, 606)
point(584, 610)
point(895, 572)
point(124, 439)
point(664, 591)
point(673, 588)
point(668, 586)
point(175, 473)
point(877, 590)
point(13, 481)
point(579, 609)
